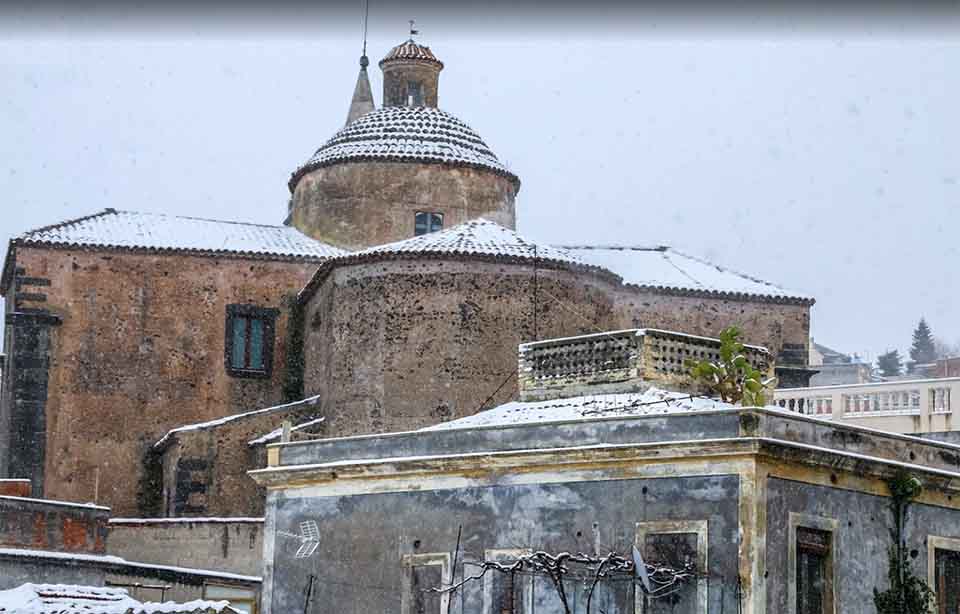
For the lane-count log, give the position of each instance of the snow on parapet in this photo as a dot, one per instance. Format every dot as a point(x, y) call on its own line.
point(652, 401)
point(275, 434)
point(71, 598)
point(663, 267)
point(162, 443)
point(157, 231)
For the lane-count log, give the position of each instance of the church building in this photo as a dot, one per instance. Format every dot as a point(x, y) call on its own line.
point(393, 297)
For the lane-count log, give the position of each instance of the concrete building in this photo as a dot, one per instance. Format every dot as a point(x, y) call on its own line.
point(903, 406)
point(834, 368)
point(777, 511)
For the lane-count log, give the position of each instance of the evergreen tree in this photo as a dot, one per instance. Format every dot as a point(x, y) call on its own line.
point(923, 349)
point(889, 364)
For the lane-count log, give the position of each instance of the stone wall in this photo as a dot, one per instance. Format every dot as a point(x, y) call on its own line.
point(140, 350)
point(397, 345)
point(205, 469)
point(51, 525)
point(396, 75)
point(403, 344)
point(225, 544)
point(782, 328)
point(360, 204)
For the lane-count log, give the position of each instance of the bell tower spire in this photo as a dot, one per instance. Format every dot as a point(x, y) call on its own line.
point(362, 101)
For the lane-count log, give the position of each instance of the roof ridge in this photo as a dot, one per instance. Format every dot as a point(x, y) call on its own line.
point(636, 248)
point(70, 222)
point(204, 219)
point(729, 270)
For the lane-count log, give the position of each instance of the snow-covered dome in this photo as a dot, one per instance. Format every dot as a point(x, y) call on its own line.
point(406, 134)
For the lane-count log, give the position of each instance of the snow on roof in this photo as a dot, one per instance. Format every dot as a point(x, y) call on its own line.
point(666, 268)
point(187, 520)
point(157, 231)
point(163, 441)
point(406, 134)
point(109, 559)
point(275, 433)
point(68, 598)
point(477, 237)
point(652, 401)
point(92, 506)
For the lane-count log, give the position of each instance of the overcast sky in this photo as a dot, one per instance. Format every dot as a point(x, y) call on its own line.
point(823, 159)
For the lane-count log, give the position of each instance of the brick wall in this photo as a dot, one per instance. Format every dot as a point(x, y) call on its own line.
point(140, 350)
point(48, 525)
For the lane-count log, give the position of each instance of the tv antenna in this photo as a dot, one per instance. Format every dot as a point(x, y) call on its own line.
point(309, 538)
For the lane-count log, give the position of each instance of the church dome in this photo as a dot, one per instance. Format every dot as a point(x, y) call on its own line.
point(406, 134)
point(410, 50)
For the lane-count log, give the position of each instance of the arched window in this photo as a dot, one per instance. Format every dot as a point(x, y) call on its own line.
point(425, 222)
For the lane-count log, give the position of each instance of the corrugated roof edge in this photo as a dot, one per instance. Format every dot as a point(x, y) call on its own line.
point(800, 299)
point(7, 274)
point(298, 174)
point(349, 259)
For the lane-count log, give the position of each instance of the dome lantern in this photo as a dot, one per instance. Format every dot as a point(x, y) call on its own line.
point(411, 74)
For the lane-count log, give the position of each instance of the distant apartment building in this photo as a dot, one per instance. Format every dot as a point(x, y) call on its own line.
point(834, 368)
point(905, 406)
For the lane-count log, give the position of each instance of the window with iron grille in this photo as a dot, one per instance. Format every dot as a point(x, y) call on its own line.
point(814, 570)
point(426, 222)
point(249, 340)
point(414, 94)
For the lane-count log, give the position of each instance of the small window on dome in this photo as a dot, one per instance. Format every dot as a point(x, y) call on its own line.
point(426, 222)
point(414, 94)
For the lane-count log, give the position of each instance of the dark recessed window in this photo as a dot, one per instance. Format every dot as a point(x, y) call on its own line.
point(414, 94)
point(249, 336)
point(947, 580)
point(425, 222)
point(814, 572)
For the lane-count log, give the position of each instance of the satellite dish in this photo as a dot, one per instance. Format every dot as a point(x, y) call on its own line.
point(640, 570)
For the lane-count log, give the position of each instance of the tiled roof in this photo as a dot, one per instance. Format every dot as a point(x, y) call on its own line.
point(69, 599)
point(406, 134)
point(160, 232)
point(410, 50)
point(664, 268)
point(478, 238)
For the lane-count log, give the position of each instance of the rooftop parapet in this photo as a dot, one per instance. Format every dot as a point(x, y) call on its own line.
point(630, 360)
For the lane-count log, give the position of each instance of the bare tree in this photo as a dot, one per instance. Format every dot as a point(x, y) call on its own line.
point(654, 580)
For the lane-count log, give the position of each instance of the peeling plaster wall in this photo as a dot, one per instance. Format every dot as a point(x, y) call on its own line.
point(358, 563)
point(861, 540)
point(235, 547)
point(41, 525)
point(140, 351)
point(360, 204)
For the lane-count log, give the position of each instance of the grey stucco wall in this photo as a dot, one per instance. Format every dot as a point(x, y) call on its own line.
point(861, 540)
point(17, 571)
point(358, 563)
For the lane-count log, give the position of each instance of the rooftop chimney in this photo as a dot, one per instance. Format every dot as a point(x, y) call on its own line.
point(619, 361)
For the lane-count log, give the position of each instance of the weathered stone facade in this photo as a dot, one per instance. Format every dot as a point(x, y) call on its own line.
point(137, 350)
point(398, 344)
point(359, 204)
point(205, 466)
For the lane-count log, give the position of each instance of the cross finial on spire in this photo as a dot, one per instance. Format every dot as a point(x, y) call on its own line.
point(413, 32)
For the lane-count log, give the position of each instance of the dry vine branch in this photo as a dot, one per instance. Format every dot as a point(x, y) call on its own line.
point(663, 580)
